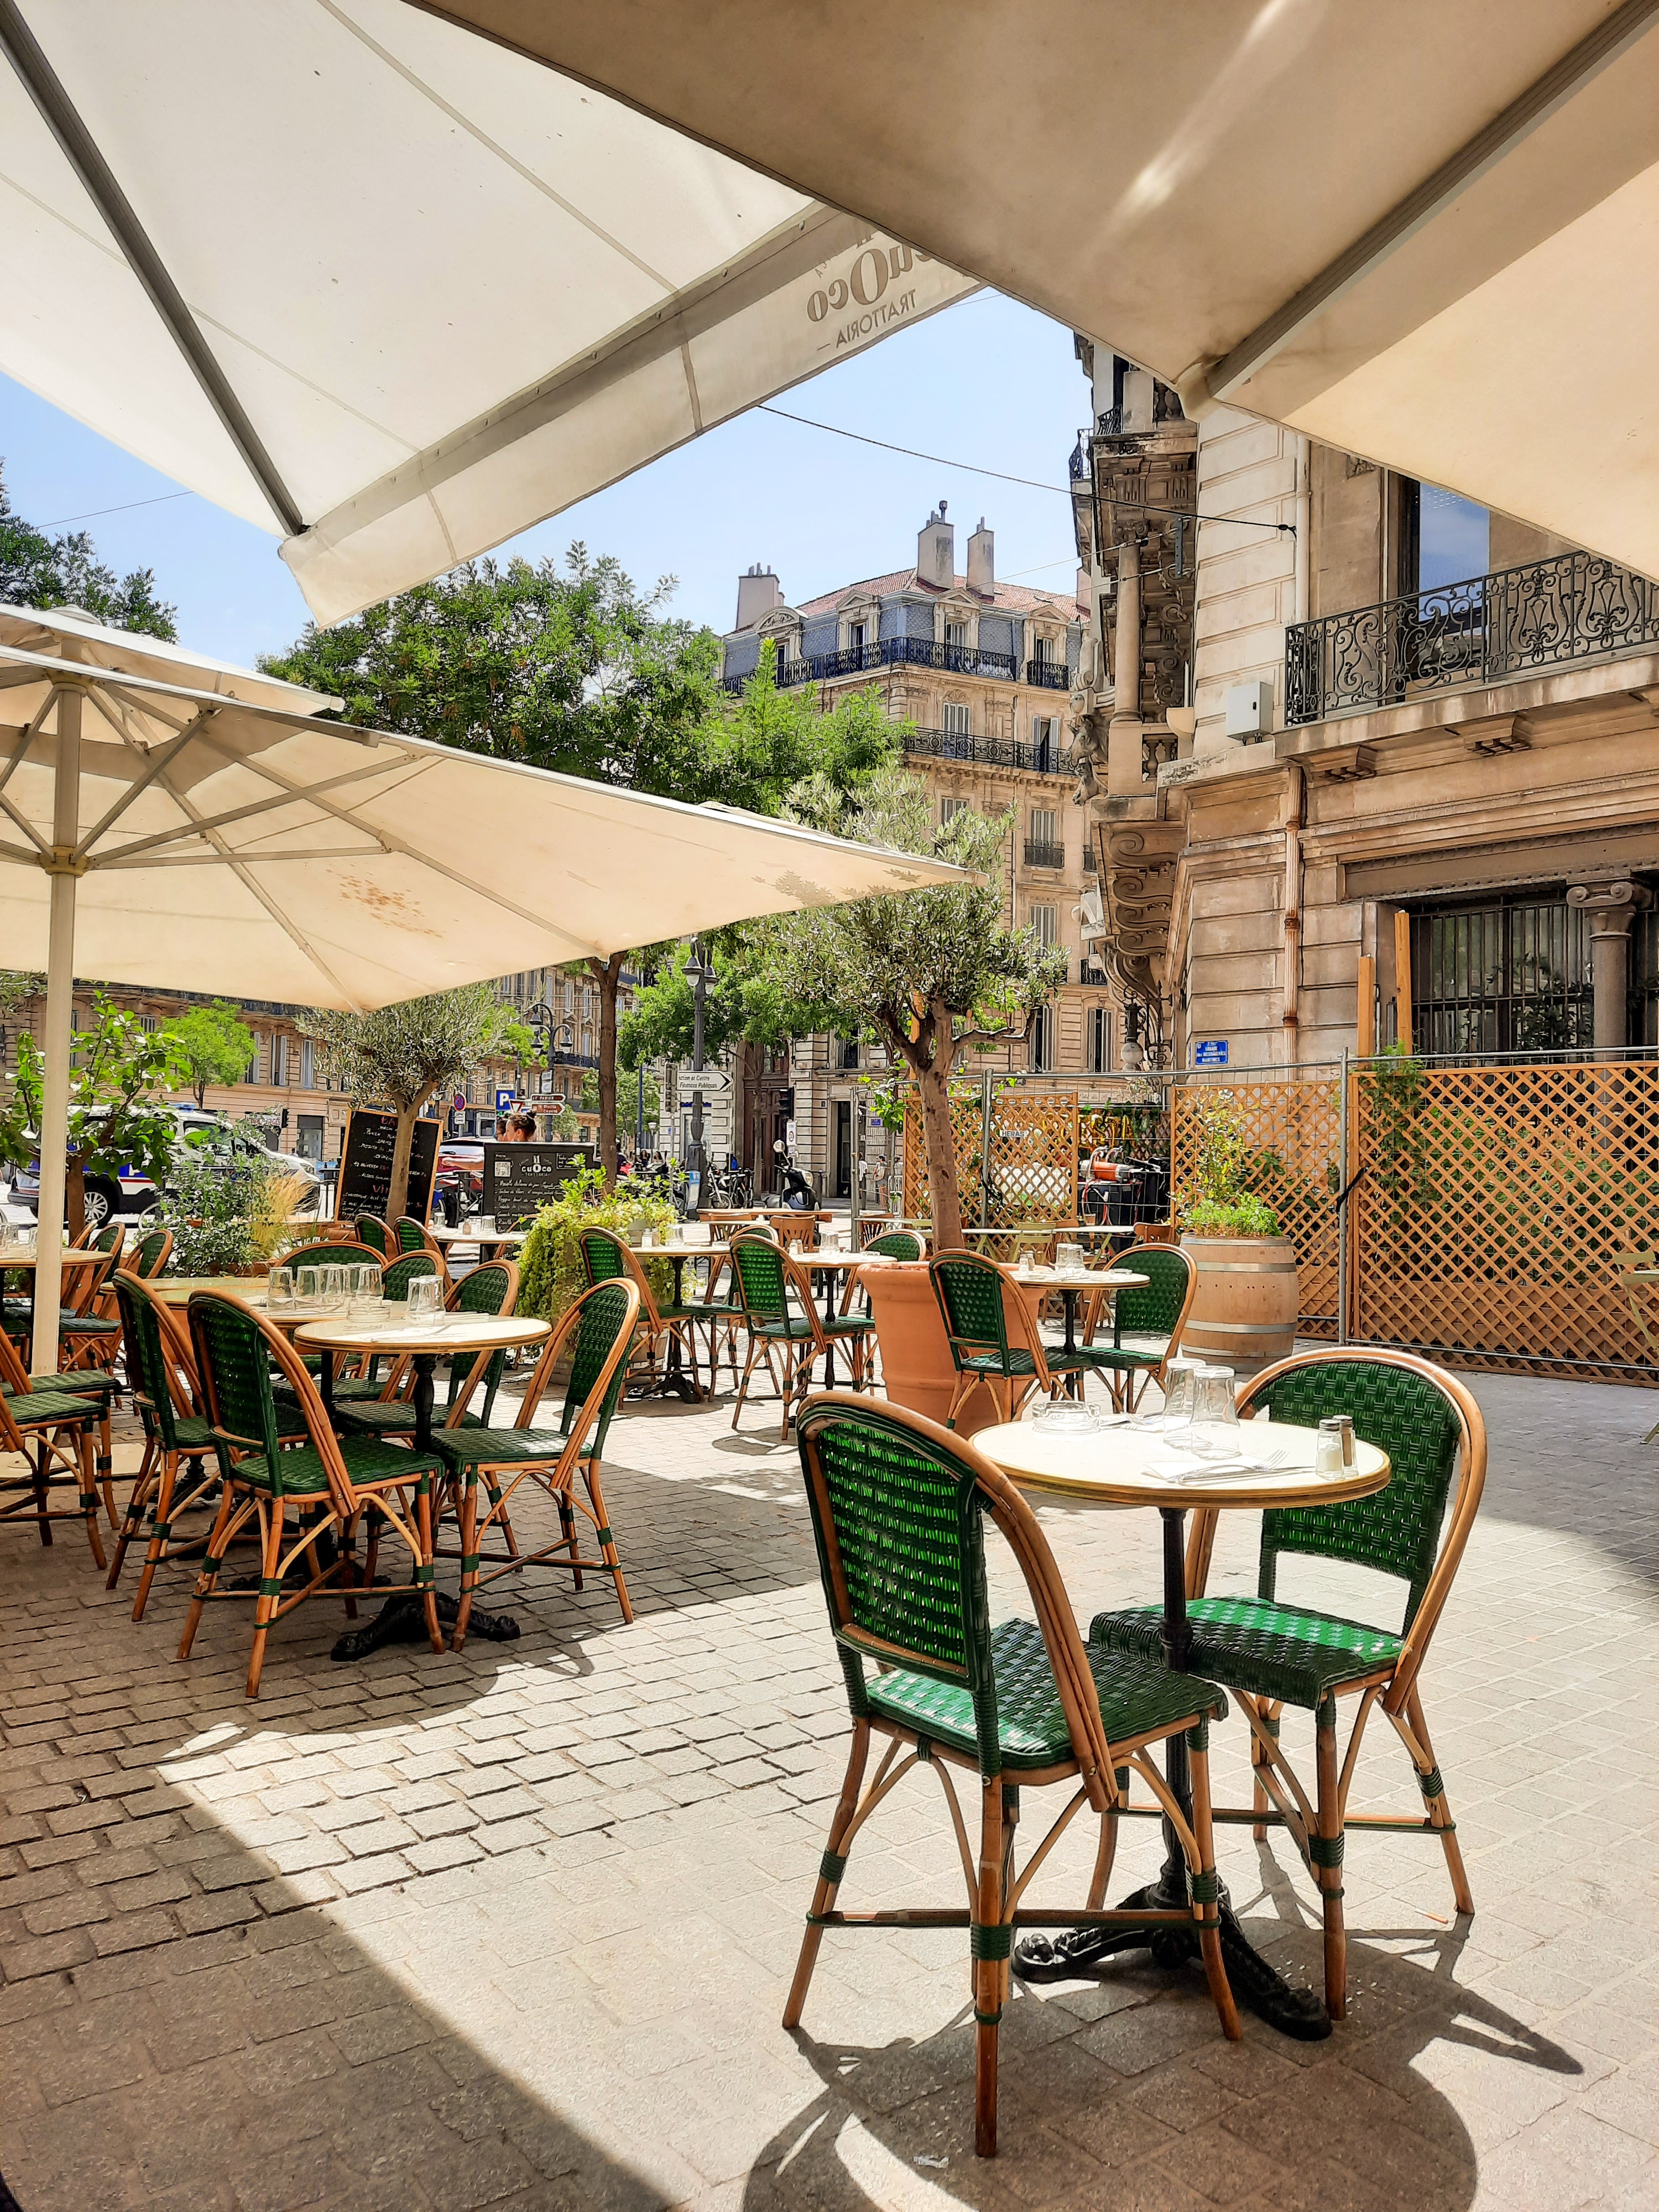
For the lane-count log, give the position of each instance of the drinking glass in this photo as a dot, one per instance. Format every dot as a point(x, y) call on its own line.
point(648, 1239)
point(365, 1289)
point(1069, 1258)
point(425, 1297)
point(305, 1285)
point(1177, 1413)
point(335, 1287)
point(279, 1289)
point(1215, 1413)
point(26, 1233)
point(486, 1224)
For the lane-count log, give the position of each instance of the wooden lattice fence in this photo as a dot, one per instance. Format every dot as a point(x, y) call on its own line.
point(1494, 1206)
point(1292, 1128)
point(1030, 1180)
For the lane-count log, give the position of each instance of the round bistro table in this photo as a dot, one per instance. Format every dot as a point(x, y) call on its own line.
point(1123, 1463)
point(426, 1339)
point(491, 1247)
point(830, 1265)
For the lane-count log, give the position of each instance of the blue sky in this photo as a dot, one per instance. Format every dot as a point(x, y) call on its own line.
point(987, 381)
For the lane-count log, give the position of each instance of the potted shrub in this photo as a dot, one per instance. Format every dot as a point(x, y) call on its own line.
point(550, 1263)
point(222, 1212)
point(1246, 1300)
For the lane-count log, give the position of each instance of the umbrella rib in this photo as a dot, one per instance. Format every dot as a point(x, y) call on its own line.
point(281, 797)
point(265, 900)
point(158, 764)
point(26, 738)
point(26, 827)
point(217, 860)
point(394, 844)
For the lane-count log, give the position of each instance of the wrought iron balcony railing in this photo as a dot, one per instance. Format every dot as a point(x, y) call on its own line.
point(1040, 854)
point(1049, 675)
point(1043, 759)
point(891, 652)
point(1574, 606)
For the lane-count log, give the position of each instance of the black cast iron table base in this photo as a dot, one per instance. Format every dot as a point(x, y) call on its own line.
point(402, 1620)
point(1293, 2012)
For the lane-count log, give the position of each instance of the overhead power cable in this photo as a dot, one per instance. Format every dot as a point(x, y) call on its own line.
point(92, 513)
point(1001, 476)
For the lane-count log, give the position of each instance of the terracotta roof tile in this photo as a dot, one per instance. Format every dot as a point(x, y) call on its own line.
point(1007, 598)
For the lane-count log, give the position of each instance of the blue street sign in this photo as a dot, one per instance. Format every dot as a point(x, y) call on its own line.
point(1210, 1051)
point(504, 1098)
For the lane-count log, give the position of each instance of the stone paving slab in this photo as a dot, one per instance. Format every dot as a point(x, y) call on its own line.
point(515, 1926)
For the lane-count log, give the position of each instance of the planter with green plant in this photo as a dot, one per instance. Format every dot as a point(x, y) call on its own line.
point(551, 1262)
point(1246, 1300)
point(222, 1213)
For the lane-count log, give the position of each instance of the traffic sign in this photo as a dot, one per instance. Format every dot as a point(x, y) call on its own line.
point(503, 1101)
point(709, 1080)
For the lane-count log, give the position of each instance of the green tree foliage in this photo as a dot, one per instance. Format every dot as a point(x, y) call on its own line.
point(36, 570)
point(400, 1057)
point(117, 1115)
point(933, 973)
point(628, 1103)
point(550, 1264)
point(209, 1045)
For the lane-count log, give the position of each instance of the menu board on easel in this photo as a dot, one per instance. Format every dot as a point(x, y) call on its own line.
point(365, 1181)
point(520, 1179)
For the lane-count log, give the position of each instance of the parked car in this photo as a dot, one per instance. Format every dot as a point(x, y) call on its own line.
point(130, 1192)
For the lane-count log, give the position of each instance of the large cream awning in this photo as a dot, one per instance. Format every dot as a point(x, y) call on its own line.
point(399, 280)
point(386, 286)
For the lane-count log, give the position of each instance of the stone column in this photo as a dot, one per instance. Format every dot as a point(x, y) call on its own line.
point(1123, 747)
point(1612, 903)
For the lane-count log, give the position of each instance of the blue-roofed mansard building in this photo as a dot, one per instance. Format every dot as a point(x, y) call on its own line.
point(983, 671)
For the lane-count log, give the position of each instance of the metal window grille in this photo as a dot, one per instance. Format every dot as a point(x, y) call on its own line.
point(1510, 977)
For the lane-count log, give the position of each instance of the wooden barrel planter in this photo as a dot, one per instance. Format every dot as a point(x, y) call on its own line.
point(1245, 1303)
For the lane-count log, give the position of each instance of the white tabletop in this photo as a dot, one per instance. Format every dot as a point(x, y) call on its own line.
point(710, 1251)
point(26, 1255)
point(841, 1260)
point(445, 1332)
point(1121, 1463)
point(1080, 1279)
point(474, 1235)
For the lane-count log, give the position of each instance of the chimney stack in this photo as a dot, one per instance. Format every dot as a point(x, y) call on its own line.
point(936, 551)
point(981, 562)
point(758, 592)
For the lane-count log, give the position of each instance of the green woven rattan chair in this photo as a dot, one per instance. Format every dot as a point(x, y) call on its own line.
point(993, 1339)
point(149, 1255)
point(1147, 1324)
point(492, 1288)
point(606, 1258)
point(50, 1428)
point(897, 1244)
point(597, 1332)
point(899, 1507)
point(1274, 1654)
point(297, 1494)
point(372, 1231)
point(162, 1372)
point(790, 1325)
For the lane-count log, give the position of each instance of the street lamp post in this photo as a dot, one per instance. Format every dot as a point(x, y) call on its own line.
point(699, 972)
point(554, 1032)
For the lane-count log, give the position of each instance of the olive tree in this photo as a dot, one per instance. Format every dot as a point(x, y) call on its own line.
point(399, 1057)
point(933, 973)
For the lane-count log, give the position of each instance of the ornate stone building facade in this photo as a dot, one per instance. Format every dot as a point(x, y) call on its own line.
point(1408, 782)
point(984, 672)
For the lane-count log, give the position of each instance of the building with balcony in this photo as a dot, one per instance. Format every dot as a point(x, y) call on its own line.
point(983, 674)
point(1407, 782)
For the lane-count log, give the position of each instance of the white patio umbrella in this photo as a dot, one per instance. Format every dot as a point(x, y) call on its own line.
point(215, 836)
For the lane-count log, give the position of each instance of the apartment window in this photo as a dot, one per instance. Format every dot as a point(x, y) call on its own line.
point(949, 808)
point(953, 719)
point(147, 1023)
point(1043, 1041)
point(308, 1066)
point(279, 1060)
point(956, 637)
point(855, 637)
point(1045, 743)
point(253, 1075)
point(1444, 539)
point(1045, 923)
point(1044, 652)
point(1043, 831)
point(569, 995)
point(1098, 1039)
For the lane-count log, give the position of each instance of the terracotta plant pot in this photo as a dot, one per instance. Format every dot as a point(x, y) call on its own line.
point(1245, 1303)
point(916, 1370)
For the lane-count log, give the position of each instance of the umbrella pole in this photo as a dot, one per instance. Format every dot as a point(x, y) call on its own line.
point(60, 1022)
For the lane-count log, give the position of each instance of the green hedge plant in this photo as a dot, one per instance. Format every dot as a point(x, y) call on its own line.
point(549, 1263)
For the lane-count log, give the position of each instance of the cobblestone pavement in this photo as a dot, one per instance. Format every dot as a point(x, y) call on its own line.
point(515, 1928)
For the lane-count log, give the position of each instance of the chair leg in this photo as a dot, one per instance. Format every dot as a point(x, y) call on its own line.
point(90, 1494)
point(142, 1483)
point(1269, 1711)
point(1325, 1848)
point(748, 1369)
point(831, 1872)
point(568, 1530)
point(603, 1537)
point(272, 1520)
point(227, 1520)
point(1206, 1886)
point(989, 1973)
point(425, 1573)
point(40, 1477)
point(1439, 1807)
point(468, 1520)
point(161, 1528)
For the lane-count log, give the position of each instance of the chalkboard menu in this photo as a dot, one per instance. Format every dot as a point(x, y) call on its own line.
point(365, 1181)
point(520, 1179)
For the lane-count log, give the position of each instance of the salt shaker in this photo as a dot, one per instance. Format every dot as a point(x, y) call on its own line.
point(1328, 1447)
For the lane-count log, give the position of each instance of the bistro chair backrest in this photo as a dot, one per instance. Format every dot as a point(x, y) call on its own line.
point(396, 1278)
point(898, 1509)
point(411, 1234)
point(492, 1288)
point(1426, 1422)
point(342, 1253)
point(970, 1291)
point(151, 1359)
point(597, 1331)
point(762, 1272)
point(896, 1245)
point(604, 1257)
point(238, 1356)
point(1161, 1309)
point(149, 1255)
point(373, 1232)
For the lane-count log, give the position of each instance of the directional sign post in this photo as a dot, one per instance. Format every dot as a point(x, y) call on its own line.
point(711, 1080)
